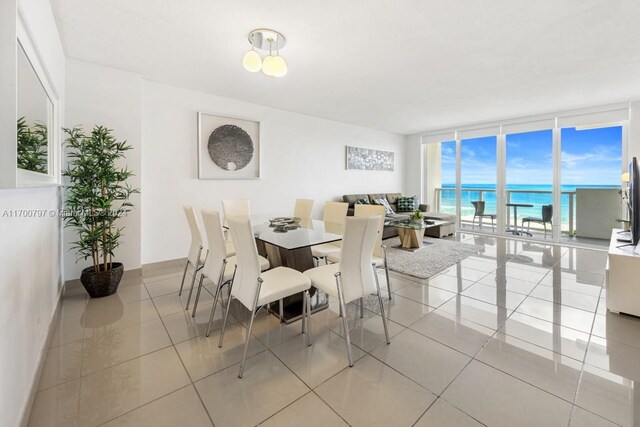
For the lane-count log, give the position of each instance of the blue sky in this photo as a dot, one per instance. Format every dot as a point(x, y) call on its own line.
point(589, 157)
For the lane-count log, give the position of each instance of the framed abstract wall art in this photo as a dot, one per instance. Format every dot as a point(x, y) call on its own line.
point(369, 159)
point(228, 147)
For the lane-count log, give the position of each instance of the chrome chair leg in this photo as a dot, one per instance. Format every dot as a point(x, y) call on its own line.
point(345, 323)
point(195, 302)
point(308, 302)
point(226, 315)
point(184, 275)
point(384, 318)
point(253, 316)
point(386, 269)
point(193, 281)
point(362, 303)
point(217, 296)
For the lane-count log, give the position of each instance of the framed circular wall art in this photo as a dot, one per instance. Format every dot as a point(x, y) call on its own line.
point(228, 147)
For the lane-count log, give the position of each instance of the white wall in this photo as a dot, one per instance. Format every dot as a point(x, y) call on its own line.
point(413, 166)
point(302, 156)
point(98, 95)
point(30, 258)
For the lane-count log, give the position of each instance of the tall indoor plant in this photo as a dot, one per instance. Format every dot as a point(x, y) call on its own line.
point(97, 195)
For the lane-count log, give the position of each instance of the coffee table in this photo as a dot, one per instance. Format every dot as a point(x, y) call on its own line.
point(412, 233)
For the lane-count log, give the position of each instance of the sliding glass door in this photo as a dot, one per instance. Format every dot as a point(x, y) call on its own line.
point(478, 166)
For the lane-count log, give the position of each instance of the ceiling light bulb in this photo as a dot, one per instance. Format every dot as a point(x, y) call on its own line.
point(252, 62)
point(274, 66)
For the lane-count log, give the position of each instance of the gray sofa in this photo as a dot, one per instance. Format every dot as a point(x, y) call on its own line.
point(392, 198)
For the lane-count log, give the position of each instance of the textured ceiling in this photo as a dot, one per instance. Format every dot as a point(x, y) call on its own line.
point(398, 65)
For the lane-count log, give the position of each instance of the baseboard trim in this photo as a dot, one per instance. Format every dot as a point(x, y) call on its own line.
point(26, 412)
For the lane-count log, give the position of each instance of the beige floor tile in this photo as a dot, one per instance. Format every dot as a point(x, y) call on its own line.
point(266, 387)
point(427, 295)
point(615, 357)
point(182, 407)
point(169, 284)
point(463, 335)
point(133, 292)
point(316, 363)
point(520, 272)
point(556, 338)
point(479, 264)
point(172, 303)
point(442, 413)
point(540, 367)
point(61, 364)
point(508, 283)
point(181, 326)
point(494, 295)
point(582, 418)
point(115, 391)
point(73, 304)
point(111, 311)
point(425, 361)
point(56, 406)
point(449, 283)
point(67, 330)
point(584, 283)
point(201, 355)
point(464, 273)
point(566, 316)
point(618, 327)
point(488, 315)
point(520, 404)
point(271, 332)
point(367, 332)
point(569, 298)
point(108, 346)
point(608, 395)
point(308, 411)
point(372, 394)
point(398, 309)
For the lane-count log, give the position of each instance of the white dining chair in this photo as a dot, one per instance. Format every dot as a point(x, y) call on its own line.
point(333, 216)
point(379, 250)
point(303, 208)
point(197, 253)
point(219, 266)
point(255, 289)
point(354, 277)
point(236, 207)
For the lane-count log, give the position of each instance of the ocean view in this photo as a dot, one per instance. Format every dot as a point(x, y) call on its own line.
point(529, 194)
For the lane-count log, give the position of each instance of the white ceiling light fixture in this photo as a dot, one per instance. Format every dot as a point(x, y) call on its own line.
point(272, 65)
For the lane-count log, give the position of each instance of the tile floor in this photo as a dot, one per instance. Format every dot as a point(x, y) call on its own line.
point(515, 335)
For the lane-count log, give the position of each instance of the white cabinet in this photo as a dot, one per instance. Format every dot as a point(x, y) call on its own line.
point(623, 277)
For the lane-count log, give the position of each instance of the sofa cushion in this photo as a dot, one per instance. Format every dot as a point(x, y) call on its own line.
point(440, 216)
point(363, 201)
point(407, 204)
point(384, 202)
point(374, 196)
point(392, 197)
point(352, 198)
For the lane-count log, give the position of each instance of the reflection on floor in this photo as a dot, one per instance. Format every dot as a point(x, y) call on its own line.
point(515, 335)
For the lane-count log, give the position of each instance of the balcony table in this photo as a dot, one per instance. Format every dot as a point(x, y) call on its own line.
point(515, 206)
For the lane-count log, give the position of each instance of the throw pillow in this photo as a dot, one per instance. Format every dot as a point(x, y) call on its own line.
point(362, 202)
point(385, 203)
point(407, 204)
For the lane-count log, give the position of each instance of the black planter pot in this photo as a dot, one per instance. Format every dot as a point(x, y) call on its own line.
point(104, 283)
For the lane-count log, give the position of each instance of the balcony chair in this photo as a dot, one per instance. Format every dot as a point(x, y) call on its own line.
point(478, 205)
point(547, 216)
point(255, 289)
point(355, 276)
point(379, 250)
point(197, 253)
point(334, 216)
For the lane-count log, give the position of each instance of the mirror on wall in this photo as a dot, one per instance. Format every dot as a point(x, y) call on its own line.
point(35, 114)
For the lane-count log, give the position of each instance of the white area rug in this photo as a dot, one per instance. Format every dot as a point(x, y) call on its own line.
point(429, 260)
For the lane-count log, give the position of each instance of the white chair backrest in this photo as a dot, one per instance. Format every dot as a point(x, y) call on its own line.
point(303, 208)
point(196, 235)
point(356, 267)
point(373, 210)
point(245, 283)
point(217, 249)
point(236, 207)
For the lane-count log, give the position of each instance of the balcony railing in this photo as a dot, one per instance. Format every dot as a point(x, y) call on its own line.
point(445, 202)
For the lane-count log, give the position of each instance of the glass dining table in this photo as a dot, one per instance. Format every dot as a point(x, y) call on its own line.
point(292, 248)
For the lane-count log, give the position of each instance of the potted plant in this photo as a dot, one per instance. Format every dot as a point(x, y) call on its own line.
point(32, 146)
point(97, 195)
point(417, 216)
